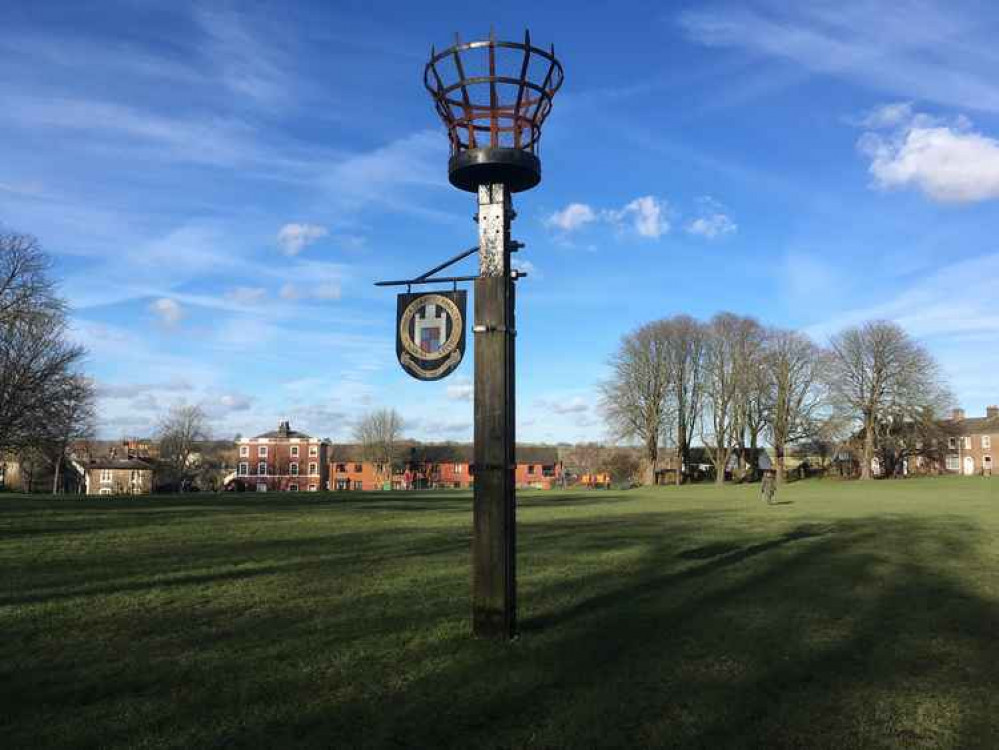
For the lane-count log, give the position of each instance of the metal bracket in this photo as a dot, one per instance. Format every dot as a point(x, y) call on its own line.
point(494, 329)
point(426, 278)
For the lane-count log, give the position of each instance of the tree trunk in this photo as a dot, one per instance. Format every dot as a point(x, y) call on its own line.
point(865, 467)
point(681, 452)
point(56, 471)
point(754, 466)
point(781, 463)
point(721, 459)
point(652, 454)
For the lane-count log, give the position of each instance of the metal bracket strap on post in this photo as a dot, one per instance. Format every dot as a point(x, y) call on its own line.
point(427, 278)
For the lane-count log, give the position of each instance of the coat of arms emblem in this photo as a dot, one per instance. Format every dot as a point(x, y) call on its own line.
point(430, 333)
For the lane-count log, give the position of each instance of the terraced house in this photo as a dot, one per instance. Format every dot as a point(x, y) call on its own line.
point(973, 445)
point(283, 460)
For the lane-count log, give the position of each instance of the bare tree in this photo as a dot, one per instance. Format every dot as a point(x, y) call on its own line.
point(36, 358)
point(70, 417)
point(878, 372)
point(685, 340)
point(793, 365)
point(379, 433)
point(748, 417)
point(179, 433)
point(726, 364)
point(634, 400)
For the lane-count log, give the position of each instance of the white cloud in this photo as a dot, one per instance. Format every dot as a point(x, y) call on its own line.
point(572, 217)
point(169, 311)
point(713, 221)
point(461, 389)
point(950, 163)
point(293, 238)
point(647, 216)
point(326, 291)
point(246, 295)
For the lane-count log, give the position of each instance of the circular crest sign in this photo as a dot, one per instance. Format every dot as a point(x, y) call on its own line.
point(430, 333)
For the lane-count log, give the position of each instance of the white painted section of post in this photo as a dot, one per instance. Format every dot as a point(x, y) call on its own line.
point(494, 223)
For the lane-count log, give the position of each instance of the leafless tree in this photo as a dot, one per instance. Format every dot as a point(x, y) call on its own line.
point(795, 395)
point(70, 417)
point(634, 400)
point(587, 458)
point(37, 360)
point(724, 373)
point(179, 433)
point(685, 340)
point(748, 415)
point(877, 373)
point(379, 433)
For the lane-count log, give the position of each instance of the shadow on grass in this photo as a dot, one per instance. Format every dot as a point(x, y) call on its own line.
point(659, 630)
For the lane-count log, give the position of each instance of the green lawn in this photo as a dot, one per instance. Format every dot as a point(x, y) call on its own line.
point(848, 616)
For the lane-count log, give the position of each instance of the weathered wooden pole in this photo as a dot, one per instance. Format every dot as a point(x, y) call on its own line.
point(494, 583)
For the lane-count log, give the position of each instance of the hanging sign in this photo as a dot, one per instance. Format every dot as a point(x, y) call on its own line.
point(430, 333)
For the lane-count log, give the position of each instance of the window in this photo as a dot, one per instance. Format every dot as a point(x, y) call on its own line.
point(293, 469)
point(341, 467)
point(341, 484)
point(952, 443)
point(261, 487)
point(967, 443)
point(457, 468)
point(358, 485)
point(105, 490)
point(244, 451)
point(294, 451)
point(292, 488)
point(358, 468)
point(244, 469)
point(262, 468)
point(135, 476)
point(952, 463)
point(312, 488)
point(548, 471)
point(530, 469)
point(106, 475)
point(262, 451)
point(986, 442)
point(313, 468)
point(313, 451)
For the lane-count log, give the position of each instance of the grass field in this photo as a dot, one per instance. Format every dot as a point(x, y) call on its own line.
point(848, 616)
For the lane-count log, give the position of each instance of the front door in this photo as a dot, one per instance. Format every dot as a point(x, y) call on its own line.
point(262, 487)
point(969, 465)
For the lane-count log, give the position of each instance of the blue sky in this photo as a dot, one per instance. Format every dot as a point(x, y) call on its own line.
point(221, 184)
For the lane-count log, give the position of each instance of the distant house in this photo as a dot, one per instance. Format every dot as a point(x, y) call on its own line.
point(973, 442)
point(436, 466)
point(700, 466)
point(283, 460)
point(116, 476)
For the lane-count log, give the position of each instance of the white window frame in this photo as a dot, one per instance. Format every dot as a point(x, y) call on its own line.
point(952, 443)
point(264, 472)
point(953, 463)
point(986, 442)
point(243, 469)
point(106, 491)
point(107, 476)
point(294, 451)
point(244, 451)
point(967, 442)
point(293, 468)
point(458, 469)
point(261, 451)
point(313, 468)
point(292, 488)
point(313, 451)
point(313, 488)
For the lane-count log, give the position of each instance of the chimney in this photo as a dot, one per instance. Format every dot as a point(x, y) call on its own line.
point(284, 428)
point(957, 415)
point(992, 412)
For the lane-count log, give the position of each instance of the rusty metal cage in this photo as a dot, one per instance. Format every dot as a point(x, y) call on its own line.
point(493, 97)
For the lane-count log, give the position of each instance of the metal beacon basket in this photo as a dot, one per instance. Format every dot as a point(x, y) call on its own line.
point(493, 97)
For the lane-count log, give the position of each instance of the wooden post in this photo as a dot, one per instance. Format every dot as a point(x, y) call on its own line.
point(494, 588)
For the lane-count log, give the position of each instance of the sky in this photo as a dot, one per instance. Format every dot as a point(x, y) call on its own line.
point(220, 185)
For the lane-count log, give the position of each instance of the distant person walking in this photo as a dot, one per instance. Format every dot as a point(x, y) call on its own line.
point(768, 487)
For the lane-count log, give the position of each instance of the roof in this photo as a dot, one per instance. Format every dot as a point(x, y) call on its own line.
point(117, 463)
point(974, 425)
point(283, 431)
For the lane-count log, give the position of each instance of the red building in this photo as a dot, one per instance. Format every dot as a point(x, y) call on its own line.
point(281, 461)
point(436, 466)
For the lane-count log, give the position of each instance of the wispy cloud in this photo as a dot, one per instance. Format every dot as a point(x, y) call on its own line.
point(713, 220)
point(572, 217)
point(293, 238)
point(925, 50)
point(167, 310)
point(645, 215)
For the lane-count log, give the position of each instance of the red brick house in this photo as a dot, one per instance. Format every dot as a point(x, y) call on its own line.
point(973, 443)
point(437, 466)
point(283, 460)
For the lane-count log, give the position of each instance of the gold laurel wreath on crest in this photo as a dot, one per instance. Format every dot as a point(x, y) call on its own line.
point(457, 327)
point(450, 362)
